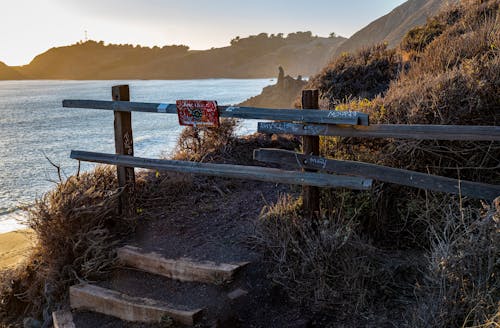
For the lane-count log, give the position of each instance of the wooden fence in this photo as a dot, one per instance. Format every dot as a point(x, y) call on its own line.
point(310, 123)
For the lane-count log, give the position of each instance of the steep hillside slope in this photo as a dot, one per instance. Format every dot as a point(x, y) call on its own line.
point(392, 27)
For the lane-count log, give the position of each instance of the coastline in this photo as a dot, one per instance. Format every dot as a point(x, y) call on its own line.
point(10, 221)
point(153, 138)
point(14, 247)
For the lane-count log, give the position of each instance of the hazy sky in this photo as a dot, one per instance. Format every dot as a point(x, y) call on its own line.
point(29, 27)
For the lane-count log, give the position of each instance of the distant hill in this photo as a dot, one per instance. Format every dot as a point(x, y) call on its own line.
point(392, 27)
point(8, 73)
point(257, 56)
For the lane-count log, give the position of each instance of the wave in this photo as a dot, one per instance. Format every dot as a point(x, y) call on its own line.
point(12, 220)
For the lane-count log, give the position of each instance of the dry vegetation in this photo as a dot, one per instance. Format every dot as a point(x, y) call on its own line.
point(461, 286)
point(336, 269)
point(195, 144)
point(446, 72)
point(76, 227)
point(324, 268)
point(221, 145)
point(397, 255)
point(364, 74)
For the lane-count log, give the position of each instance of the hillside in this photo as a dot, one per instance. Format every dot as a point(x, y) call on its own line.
point(392, 27)
point(257, 56)
point(7, 73)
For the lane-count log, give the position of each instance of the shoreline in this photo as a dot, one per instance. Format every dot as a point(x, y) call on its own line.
point(10, 221)
point(156, 138)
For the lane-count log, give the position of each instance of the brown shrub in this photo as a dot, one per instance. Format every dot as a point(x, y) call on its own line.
point(221, 145)
point(76, 226)
point(364, 74)
point(195, 143)
point(419, 37)
point(325, 267)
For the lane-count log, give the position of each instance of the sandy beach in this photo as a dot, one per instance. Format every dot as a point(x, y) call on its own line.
point(14, 246)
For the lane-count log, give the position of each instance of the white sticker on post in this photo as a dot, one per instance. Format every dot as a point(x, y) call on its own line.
point(162, 108)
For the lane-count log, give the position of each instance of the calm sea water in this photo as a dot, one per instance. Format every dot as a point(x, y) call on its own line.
point(34, 125)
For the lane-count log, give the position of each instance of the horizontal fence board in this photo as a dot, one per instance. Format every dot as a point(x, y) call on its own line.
point(400, 131)
point(228, 171)
point(381, 173)
point(292, 115)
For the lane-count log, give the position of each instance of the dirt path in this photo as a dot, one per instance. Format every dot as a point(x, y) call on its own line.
point(206, 219)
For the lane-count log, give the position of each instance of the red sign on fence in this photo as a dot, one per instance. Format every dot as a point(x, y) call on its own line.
point(198, 113)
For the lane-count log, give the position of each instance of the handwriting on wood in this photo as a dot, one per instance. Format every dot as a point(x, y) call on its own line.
point(401, 131)
point(381, 173)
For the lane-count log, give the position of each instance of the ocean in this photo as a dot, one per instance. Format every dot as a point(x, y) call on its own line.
point(33, 126)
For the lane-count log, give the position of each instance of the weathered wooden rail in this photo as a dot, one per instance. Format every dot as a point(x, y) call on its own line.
point(309, 123)
point(379, 172)
point(292, 115)
point(327, 122)
point(228, 171)
point(396, 131)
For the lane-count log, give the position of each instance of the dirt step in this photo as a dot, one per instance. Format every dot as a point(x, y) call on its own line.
point(213, 299)
point(135, 309)
point(181, 269)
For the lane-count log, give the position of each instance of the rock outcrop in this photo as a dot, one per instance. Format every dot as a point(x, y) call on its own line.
point(281, 95)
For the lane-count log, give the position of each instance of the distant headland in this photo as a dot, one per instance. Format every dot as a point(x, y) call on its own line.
point(256, 56)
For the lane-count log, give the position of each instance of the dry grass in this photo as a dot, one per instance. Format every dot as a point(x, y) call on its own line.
point(453, 77)
point(325, 267)
point(221, 145)
point(76, 227)
point(334, 267)
point(461, 286)
point(195, 143)
point(364, 74)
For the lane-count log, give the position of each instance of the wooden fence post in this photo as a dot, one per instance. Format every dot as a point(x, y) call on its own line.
point(310, 146)
point(124, 145)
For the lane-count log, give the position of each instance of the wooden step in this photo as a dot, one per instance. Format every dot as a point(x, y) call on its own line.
point(93, 298)
point(181, 269)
